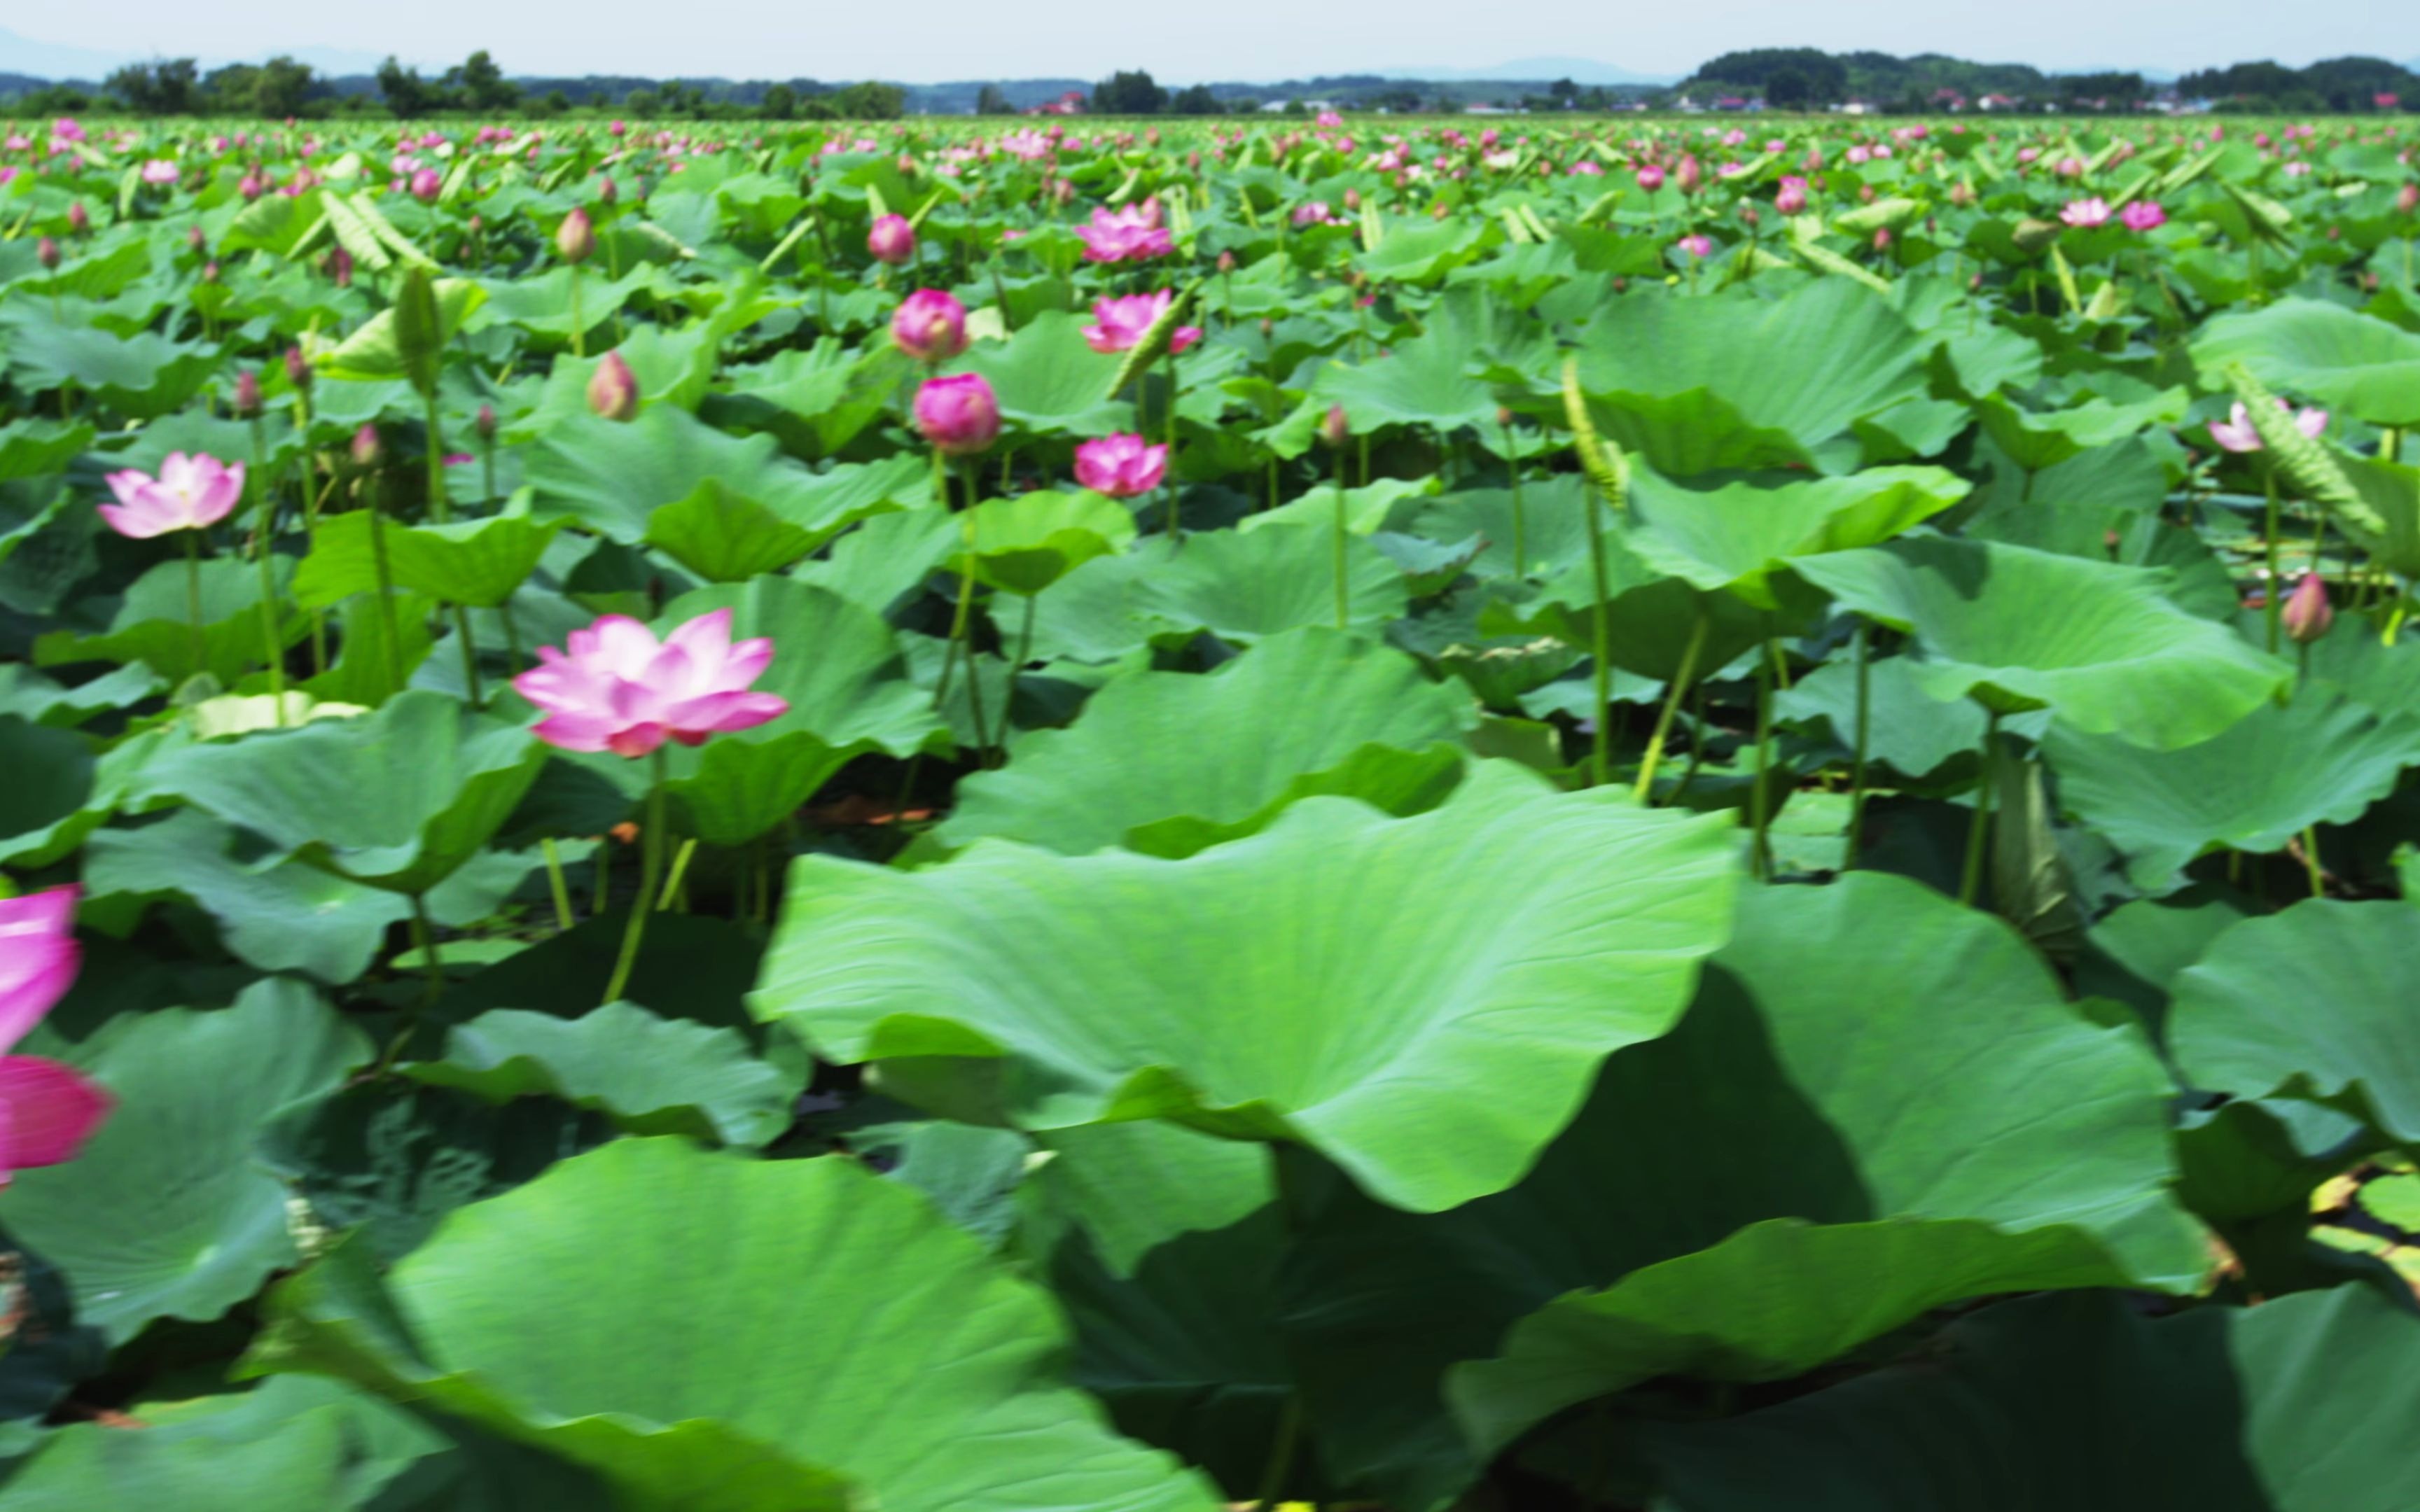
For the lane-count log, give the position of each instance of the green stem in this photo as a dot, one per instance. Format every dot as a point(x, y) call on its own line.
point(423, 935)
point(1281, 1452)
point(579, 327)
point(1646, 790)
point(2273, 601)
point(439, 509)
point(1760, 796)
point(1600, 651)
point(1343, 608)
point(1857, 765)
point(557, 885)
point(194, 600)
point(386, 594)
point(2311, 860)
point(1970, 885)
point(651, 866)
point(679, 874)
point(470, 656)
point(257, 477)
point(1174, 531)
point(1520, 518)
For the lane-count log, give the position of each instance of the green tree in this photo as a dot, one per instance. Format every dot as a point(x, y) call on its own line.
point(484, 85)
point(1195, 101)
point(642, 103)
point(282, 87)
point(164, 87)
point(1126, 93)
point(1564, 92)
point(993, 101)
point(406, 93)
point(870, 101)
point(779, 103)
point(1786, 89)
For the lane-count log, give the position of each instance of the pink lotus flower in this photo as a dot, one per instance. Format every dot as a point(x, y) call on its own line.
point(1791, 197)
point(159, 171)
point(1697, 246)
point(1123, 322)
point(1121, 465)
point(2307, 614)
point(190, 493)
point(2086, 213)
point(891, 240)
point(959, 414)
point(1124, 236)
point(613, 389)
point(2235, 433)
point(2143, 215)
point(426, 184)
point(1313, 213)
point(1651, 177)
point(614, 687)
point(47, 1110)
point(930, 325)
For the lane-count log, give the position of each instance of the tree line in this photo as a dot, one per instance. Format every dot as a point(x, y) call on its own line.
point(1809, 78)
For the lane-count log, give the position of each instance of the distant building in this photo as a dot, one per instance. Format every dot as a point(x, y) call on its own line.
point(1070, 103)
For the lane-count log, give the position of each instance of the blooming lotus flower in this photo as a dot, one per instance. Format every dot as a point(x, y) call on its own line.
point(891, 240)
point(1121, 465)
point(47, 1109)
point(959, 415)
point(1313, 213)
point(2086, 213)
point(2235, 433)
point(1791, 197)
point(930, 325)
point(2307, 614)
point(190, 493)
point(2143, 215)
point(159, 171)
point(613, 686)
point(1124, 236)
point(1123, 322)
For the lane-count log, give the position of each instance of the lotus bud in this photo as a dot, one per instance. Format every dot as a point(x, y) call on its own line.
point(194, 238)
point(1866, 194)
point(79, 219)
point(1882, 238)
point(959, 415)
point(340, 265)
point(607, 190)
point(1193, 161)
point(249, 187)
point(426, 183)
point(475, 223)
point(891, 240)
point(46, 252)
point(613, 389)
point(1503, 418)
point(297, 369)
point(1226, 262)
point(247, 395)
point(484, 423)
point(1062, 192)
point(575, 240)
point(366, 450)
point(210, 272)
point(2407, 199)
point(1651, 177)
point(1353, 200)
point(1268, 327)
point(2307, 614)
point(1335, 428)
point(1689, 176)
point(930, 325)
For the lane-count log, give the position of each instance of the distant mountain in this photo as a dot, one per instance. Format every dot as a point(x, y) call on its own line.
point(1577, 69)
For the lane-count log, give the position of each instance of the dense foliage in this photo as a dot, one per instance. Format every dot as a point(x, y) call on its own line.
point(1624, 817)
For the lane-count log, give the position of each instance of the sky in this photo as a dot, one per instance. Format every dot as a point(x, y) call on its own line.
point(933, 40)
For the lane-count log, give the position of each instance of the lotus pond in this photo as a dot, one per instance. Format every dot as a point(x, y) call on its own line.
point(960, 817)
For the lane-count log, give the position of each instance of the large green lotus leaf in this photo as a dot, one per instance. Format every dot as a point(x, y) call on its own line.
point(2311, 1001)
point(841, 1344)
point(1554, 525)
point(47, 808)
point(377, 351)
point(168, 1212)
point(1309, 711)
point(2302, 1404)
point(614, 477)
point(815, 400)
point(1736, 381)
point(396, 798)
point(1049, 380)
point(32, 448)
point(1733, 536)
point(2252, 788)
point(2020, 629)
point(281, 915)
point(1025, 544)
point(1422, 381)
point(31, 696)
point(542, 302)
point(155, 623)
point(2337, 356)
point(142, 374)
point(1239, 585)
point(2013, 1141)
point(2038, 439)
point(836, 663)
point(1906, 728)
point(1651, 616)
point(1512, 937)
point(475, 562)
point(650, 1075)
point(1367, 509)
point(296, 1444)
point(886, 559)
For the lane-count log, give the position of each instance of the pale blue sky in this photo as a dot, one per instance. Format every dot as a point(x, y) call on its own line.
point(926, 40)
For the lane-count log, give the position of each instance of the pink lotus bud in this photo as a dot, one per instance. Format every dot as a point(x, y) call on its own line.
point(1353, 200)
point(194, 238)
point(1121, 465)
point(476, 223)
point(366, 450)
point(425, 185)
point(46, 252)
point(484, 423)
point(930, 325)
point(575, 240)
point(1335, 428)
point(2407, 199)
point(1062, 192)
point(1651, 177)
point(1882, 238)
point(249, 187)
point(247, 395)
point(47, 1109)
point(79, 219)
point(1689, 176)
point(1226, 262)
point(959, 415)
point(1961, 194)
point(1193, 161)
point(615, 687)
point(1791, 197)
point(891, 240)
point(340, 265)
point(607, 190)
point(2307, 614)
point(298, 368)
point(210, 272)
point(613, 389)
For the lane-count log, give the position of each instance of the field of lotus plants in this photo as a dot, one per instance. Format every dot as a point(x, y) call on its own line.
point(953, 818)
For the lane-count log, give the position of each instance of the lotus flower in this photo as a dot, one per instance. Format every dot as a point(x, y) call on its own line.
point(1791, 197)
point(190, 493)
point(1316, 212)
point(930, 325)
point(47, 1110)
point(2235, 433)
point(615, 687)
point(1124, 236)
point(1124, 322)
point(1697, 246)
point(426, 184)
point(959, 415)
point(159, 171)
point(1651, 177)
point(891, 240)
point(2307, 614)
point(1121, 466)
point(575, 240)
point(2143, 215)
point(2086, 213)
point(613, 389)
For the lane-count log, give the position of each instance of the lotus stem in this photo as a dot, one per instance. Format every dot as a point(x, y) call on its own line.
point(386, 595)
point(1600, 652)
point(1857, 765)
point(1175, 533)
point(1342, 608)
point(423, 935)
point(579, 327)
point(1645, 792)
point(1970, 883)
point(194, 600)
point(1281, 1453)
point(1520, 516)
point(651, 866)
point(2273, 602)
point(1760, 795)
point(266, 531)
point(556, 885)
point(679, 874)
point(2311, 860)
